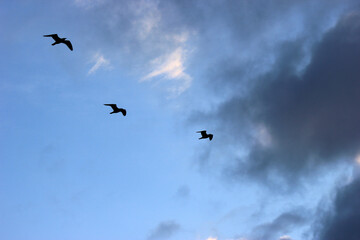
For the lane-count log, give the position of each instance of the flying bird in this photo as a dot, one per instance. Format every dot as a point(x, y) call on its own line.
point(116, 109)
point(205, 135)
point(60, 40)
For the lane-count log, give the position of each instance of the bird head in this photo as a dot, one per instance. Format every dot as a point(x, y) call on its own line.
point(210, 136)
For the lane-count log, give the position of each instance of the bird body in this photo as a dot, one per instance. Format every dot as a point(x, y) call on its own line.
point(60, 40)
point(116, 109)
point(205, 135)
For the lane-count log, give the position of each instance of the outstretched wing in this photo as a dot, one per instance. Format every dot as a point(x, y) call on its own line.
point(123, 111)
point(54, 36)
point(113, 106)
point(68, 43)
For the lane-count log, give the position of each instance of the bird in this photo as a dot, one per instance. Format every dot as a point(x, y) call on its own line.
point(205, 135)
point(116, 109)
point(60, 40)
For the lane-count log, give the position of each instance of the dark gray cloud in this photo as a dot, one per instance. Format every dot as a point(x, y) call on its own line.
point(295, 121)
point(343, 221)
point(164, 230)
point(281, 225)
point(241, 20)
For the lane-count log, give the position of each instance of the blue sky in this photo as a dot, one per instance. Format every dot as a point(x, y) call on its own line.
point(69, 170)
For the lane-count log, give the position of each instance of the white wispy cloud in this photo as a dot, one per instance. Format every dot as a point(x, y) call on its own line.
point(171, 67)
point(181, 37)
point(263, 136)
point(99, 62)
point(147, 18)
point(357, 159)
point(285, 237)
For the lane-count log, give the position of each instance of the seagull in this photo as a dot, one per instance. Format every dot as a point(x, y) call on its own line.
point(116, 109)
point(60, 40)
point(205, 135)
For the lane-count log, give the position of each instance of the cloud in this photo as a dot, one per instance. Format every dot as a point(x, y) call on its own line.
point(280, 225)
point(293, 123)
point(164, 230)
point(343, 221)
point(143, 38)
point(100, 62)
point(171, 67)
point(357, 159)
point(147, 17)
point(285, 237)
point(287, 91)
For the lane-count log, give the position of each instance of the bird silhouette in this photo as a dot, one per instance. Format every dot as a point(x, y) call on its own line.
point(205, 135)
point(116, 109)
point(60, 40)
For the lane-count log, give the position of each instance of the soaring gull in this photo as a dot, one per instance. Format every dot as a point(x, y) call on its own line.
point(60, 40)
point(116, 109)
point(205, 135)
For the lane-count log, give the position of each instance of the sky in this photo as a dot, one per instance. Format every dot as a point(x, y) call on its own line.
point(277, 82)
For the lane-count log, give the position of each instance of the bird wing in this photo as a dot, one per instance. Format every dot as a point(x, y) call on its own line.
point(113, 106)
point(203, 133)
point(211, 136)
point(123, 111)
point(54, 36)
point(68, 43)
